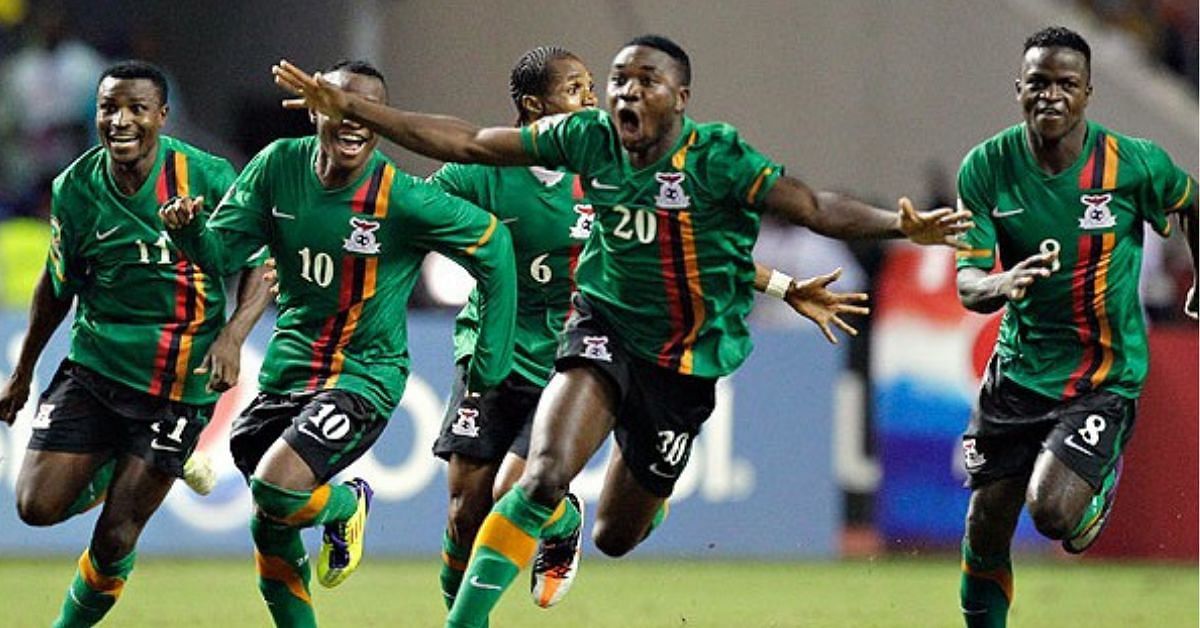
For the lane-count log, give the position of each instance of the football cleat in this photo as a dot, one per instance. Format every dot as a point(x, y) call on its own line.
point(342, 542)
point(556, 564)
point(1079, 543)
point(198, 473)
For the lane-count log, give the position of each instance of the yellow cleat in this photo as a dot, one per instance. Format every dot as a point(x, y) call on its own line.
point(342, 543)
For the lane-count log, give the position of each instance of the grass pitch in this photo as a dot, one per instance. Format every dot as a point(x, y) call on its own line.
point(638, 592)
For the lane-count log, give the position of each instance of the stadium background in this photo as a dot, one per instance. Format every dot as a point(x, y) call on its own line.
point(816, 452)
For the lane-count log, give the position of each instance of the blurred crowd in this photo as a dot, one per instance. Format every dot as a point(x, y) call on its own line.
point(1167, 28)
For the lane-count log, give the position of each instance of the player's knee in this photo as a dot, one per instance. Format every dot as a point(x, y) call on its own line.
point(612, 540)
point(274, 502)
point(37, 513)
point(1050, 520)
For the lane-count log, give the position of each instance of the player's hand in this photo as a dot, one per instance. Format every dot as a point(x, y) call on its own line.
point(179, 212)
point(222, 363)
point(271, 277)
point(313, 91)
point(13, 397)
point(1190, 306)
point(1018, 278)
point(812, 299)
point(938, 226)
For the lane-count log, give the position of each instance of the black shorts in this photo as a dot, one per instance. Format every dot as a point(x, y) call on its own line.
point(83, 411)
point(487, 426)
point(659, 411)
point(1011, 425)
point(329, 429)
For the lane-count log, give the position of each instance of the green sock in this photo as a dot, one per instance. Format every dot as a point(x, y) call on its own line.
point(986, 589)
point(454, 563)
point(1095, 508)
point(283, 573)
point(563, 521)
point(301, 509)
point(94, 590)
point(659, 516)
point(95, 491)
point(506, 542)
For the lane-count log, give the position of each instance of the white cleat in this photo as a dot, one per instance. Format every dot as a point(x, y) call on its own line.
point(198, 473)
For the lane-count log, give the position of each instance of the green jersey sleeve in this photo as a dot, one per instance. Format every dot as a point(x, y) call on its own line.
point(232, 237)
point(63, 264)
point(458, 180)
point(478, 242)
point(976, 194)
point(744, 175)
point(573, 140)
point(1169, 188)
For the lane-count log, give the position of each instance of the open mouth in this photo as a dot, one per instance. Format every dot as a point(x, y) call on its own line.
point(1049, 113)
point(351, 143)
point(629, 123)
point(122, 141)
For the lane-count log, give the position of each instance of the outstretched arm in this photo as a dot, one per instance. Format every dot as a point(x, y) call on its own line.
point(45, 314)
point(845, 218)
point(982, 292)
point(812, 299)
point(440, 137)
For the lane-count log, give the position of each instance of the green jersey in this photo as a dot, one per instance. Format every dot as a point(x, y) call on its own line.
point(549, 222)
point(669, 263)
point(347, 260)
point(145, 315)
point(1081, 328)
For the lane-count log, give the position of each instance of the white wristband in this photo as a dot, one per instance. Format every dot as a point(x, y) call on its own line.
point(778, 284)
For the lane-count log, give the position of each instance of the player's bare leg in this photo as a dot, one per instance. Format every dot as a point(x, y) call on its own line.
point(986, 589)
point(51, 483)
point(1064, 506)
point(470, 483)
point(136, 491)
point(574, 417)
point(511, 470)
point(627, 512)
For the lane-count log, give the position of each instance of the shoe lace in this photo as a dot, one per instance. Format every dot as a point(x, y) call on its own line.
point(556, 556)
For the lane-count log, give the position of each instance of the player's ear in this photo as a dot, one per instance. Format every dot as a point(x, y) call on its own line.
point(533, 107)
point(681, 98)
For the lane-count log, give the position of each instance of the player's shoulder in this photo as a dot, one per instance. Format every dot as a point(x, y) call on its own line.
point(1003, 145)
point(82, 172)
point(206, 160)
point(1132, 147)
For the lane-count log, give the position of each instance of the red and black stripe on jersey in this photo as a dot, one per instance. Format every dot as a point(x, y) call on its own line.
point(371, 199)
point(170, 370)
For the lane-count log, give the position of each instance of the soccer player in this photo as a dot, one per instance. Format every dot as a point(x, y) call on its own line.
point(348, 232)
point(126, 407)
point(1064, 199)
point(664, 287)
point(550, 220)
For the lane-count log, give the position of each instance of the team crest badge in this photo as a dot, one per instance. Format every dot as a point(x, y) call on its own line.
point(596, 348)
point(1096, 214)
point(362, 239)
point(583, 222)
point(670, 193)
point(465, 424)
point(972, 458)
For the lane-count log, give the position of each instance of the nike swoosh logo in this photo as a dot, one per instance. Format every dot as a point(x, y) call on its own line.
point(278, 214)
point(104, 235)
point(1069, 441)
point(603, 186)
point(508, 221)
point(154, 444)
point(483, 585)
point(997, 213)
point(303, 429)
point(655, 471)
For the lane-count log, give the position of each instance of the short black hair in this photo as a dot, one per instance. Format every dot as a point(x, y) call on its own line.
point(531, 74)
point(672, 49)
point(358, 66)
point(1061, 37)
point(137, 69)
